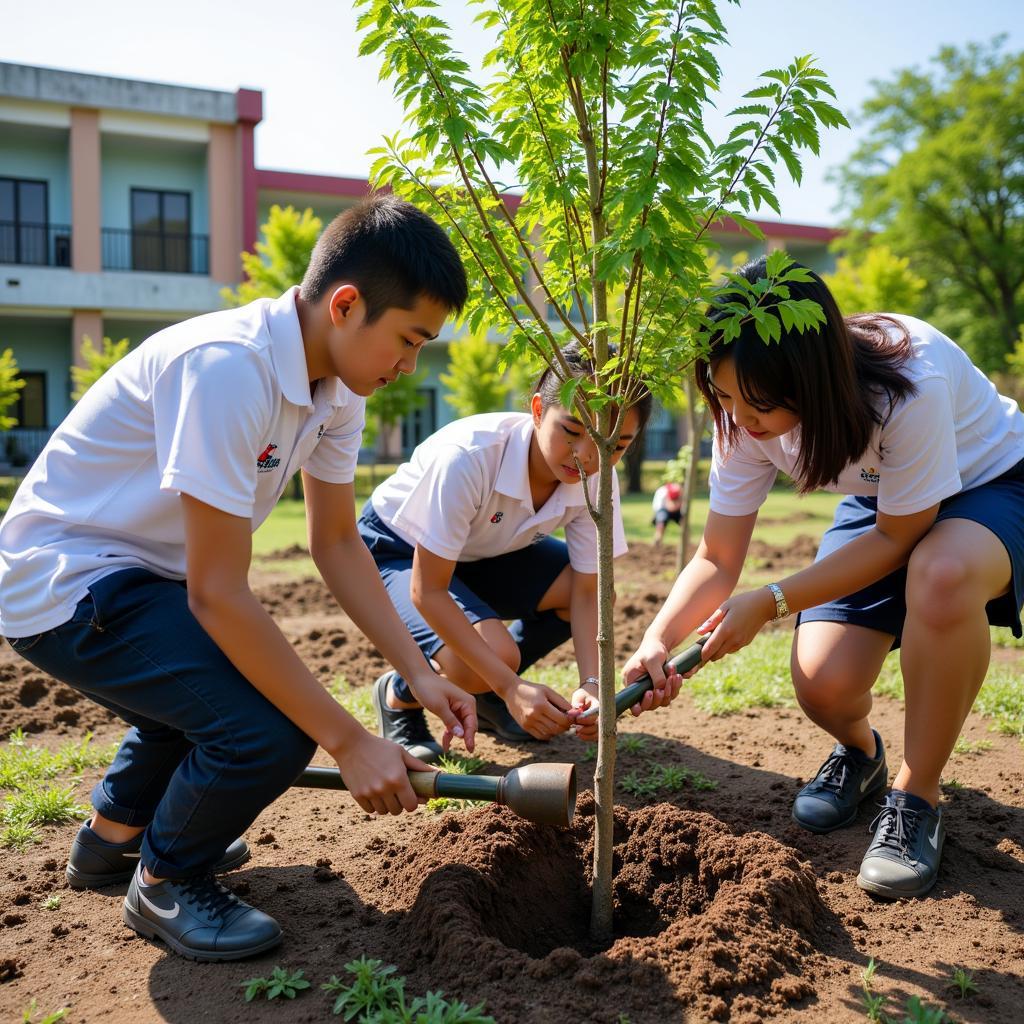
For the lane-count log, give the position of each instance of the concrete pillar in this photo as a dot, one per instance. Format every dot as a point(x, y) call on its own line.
point(85, 323)
point(86, 201)
point(225, 204)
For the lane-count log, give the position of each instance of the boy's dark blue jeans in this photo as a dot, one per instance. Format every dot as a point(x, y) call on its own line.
point(206, 751)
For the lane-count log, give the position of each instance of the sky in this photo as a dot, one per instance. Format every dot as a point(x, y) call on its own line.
point(324, 106)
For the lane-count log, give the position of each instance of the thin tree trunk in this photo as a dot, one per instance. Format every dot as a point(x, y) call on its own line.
point(634, 460)
point(604, 774)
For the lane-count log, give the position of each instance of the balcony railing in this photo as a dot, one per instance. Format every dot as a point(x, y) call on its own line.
point(164, 252)
point(40, 245)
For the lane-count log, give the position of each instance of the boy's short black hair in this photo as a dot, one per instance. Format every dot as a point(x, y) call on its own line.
point(392, 252)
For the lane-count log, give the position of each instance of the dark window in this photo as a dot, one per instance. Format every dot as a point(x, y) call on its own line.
point(23, 221)
point(422, 421)
point(30, 410)
point(161, 229)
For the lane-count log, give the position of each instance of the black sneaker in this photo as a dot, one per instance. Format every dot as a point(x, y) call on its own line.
point(846, 779)
point(493, 715)
point(198, 918)
point(903, 858)
point(407, 727)
point(94, 863)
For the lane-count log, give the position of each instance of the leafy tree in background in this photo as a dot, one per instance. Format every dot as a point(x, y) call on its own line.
point(940, 179)
point(280, 259)
point(474, 379)
point(97, 362)
point(596, 110)
point(10, 385)
point(876, 281)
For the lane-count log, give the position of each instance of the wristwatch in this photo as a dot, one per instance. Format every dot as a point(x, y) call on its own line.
point(781, 605)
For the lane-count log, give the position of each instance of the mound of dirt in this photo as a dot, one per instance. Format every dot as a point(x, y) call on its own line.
point(707, 922)
point(35, 702)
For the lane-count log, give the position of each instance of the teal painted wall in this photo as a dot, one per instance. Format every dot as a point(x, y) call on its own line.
point(42, 156)
point(43, 346)
point(147, 163)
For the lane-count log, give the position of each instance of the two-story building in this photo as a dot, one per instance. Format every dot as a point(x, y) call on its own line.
point(124, 207)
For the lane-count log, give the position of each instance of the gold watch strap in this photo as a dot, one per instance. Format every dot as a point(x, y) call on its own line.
point(781, 605)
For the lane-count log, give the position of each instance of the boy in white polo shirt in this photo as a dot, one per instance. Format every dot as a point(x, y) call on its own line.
point(461, 536)
point(125, 553)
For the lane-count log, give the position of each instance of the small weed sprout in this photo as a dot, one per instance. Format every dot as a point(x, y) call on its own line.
point(280, 983)
point(963, 982)
point(872, 1001)
point(18, 836)
point(921, 1013)
point(631, 744)
point(28, 1016)
point(589, 752)
point(667, 778)
point(52, 902)
point(974, 747)
point(377, 994)
point(36, 805)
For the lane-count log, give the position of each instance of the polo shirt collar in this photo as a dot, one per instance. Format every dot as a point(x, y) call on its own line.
point(289, 355)
point(513, 478)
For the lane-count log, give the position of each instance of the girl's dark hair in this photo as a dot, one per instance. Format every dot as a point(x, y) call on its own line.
point(549, 385)
point(392, 252)
point(841, 379)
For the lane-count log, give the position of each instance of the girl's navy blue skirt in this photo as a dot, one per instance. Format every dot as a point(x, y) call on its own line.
point(997, 505)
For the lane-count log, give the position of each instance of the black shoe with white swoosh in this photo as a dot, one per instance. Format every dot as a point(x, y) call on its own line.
point(845, 780)
point(94, 863)
point(903, 858)
point(198, 918)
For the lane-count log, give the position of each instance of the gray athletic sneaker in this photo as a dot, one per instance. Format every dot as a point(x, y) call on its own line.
point(406, 726)
point(847, 778)
point(198, 918)
point(94, 863)
point(903, 858)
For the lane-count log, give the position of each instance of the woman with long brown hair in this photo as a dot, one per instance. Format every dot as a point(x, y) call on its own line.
point(926, 551)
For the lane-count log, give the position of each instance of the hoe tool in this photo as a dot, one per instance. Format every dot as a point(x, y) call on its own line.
point(631, 694)
point(542, 793)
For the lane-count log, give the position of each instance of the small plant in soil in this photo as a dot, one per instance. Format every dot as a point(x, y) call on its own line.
point(29, 1015)
point(280, 983)
point(52, 902)
point(377, 996)
point(664, 778)
point(632, 744)
point(871, 1000)
point(963, 982)
point(22, 764)
point(916, 1012)
point(18, 836)
point(39, 805)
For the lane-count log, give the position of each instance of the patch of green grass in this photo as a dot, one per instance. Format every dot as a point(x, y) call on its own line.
point(42, 805)
point(629, 743)
point(563, 679)
point(656, 778)
point(1002, 699)
point(23, 764)
point(18, 836)
point(52, 902)
point(377, 993)
point(755, 677)
point(1002, 637)
point(963, 746)
point(358, 702)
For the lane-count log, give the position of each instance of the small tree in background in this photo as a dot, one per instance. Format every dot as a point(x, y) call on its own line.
point(474, 379)
point(876, 280)
point(387, 406)
point(280, 259)
point(596, 110)
point(97, 362)
point(10, 386)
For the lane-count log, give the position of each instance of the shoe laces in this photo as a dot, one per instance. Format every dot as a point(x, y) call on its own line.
point(206, 893)
point(834, 770)
point(895, 827)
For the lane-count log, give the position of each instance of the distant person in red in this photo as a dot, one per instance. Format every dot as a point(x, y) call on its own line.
point(667, 506)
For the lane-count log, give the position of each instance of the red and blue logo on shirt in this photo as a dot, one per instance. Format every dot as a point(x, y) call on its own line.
point(265, 461)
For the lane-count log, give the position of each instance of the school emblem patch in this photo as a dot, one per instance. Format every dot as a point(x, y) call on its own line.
point(869, 475)
point(497, 517)
point(265, 461)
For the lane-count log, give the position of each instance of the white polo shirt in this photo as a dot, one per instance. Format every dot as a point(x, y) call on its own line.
point(217, 407)
point(465, 495)
point(957, 432)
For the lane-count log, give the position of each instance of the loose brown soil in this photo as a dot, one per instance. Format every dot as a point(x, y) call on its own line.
point(726, 910)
